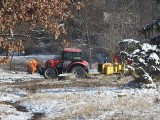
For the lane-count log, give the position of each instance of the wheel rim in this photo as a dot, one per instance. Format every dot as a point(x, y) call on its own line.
point(50, 73)
point(78, 72)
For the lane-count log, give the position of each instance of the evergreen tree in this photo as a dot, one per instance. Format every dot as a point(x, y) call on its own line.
point(145, 57)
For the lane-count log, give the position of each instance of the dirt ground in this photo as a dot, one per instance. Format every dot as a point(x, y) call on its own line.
point(92, 81)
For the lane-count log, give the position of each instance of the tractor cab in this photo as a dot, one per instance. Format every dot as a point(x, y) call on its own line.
point(71, 54)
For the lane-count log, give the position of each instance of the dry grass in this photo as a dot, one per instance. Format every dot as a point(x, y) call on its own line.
point(85, 106)
point(80, 112)
point(89, 107)
point(37, 97)
point(34, 85)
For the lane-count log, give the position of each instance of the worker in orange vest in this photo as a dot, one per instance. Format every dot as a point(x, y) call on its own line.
point(116, 59)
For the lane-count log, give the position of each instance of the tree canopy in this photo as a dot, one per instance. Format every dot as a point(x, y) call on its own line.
point(49, 13)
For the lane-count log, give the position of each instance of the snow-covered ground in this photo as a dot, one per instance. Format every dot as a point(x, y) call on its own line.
point(94, 103)
point(73, 103)
point(13, 76)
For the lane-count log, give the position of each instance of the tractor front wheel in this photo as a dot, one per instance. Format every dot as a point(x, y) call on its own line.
point(79, 72)
point(50, 73)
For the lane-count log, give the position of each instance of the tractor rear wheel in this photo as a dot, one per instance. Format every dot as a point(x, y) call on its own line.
point(79, 72)
point(50, 73)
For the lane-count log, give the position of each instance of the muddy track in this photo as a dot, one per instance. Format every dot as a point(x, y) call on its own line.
point(34, 85)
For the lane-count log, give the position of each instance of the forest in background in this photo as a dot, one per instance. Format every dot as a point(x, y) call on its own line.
point(97, 28)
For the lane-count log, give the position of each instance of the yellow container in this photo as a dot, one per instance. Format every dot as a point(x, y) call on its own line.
point(119, 67)
point(105, 66)
point(115, 68)
point(112, 69)
point(109, 70)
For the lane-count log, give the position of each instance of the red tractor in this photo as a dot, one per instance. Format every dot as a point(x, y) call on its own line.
point(69, 62)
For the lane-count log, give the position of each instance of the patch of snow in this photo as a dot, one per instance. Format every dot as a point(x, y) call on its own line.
point(136, 51)
point(142, 61)
point(128, 67)
point(8, 112)
point(11, 94)
point(12, 76)
point(147, 77)
point(125, 53)
point(155, 57)
point(8, 97)
point(129, 41)
point(45, 105)
point(147, 47)
point(61, 25)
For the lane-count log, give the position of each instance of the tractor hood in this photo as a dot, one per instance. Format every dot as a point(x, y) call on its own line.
point(53, 62)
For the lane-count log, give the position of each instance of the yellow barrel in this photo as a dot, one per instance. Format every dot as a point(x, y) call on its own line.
point(119, 68)
point(112, 69)
point(115, 68)
point(109, 70)
point(105, 66)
